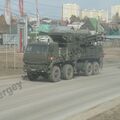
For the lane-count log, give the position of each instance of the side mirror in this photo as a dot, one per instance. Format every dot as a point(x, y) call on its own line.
point(37, 38)
point(48, 41)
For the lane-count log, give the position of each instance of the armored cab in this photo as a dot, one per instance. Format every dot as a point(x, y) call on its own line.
point(61, 55)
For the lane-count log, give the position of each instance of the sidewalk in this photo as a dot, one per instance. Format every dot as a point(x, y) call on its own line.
point(7, 72)
point(11, 76)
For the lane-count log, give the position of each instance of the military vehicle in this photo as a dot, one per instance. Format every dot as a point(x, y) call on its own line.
point(61, 55)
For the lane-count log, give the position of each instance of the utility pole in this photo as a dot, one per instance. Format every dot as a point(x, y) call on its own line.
point(62, 10)
point(22, 27)
point(20, 24)
point(37, 12)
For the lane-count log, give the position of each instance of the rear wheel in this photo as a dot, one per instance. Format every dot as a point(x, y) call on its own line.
point(32, 76)
point(88, 69)
point(55, 74)
point(101, 63)
point(67, 72)
point(96, 68)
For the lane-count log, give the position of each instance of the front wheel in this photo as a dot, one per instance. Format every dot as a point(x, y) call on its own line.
point(55, 74)
point(101, 63)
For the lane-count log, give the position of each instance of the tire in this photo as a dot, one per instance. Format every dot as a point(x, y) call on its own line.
point(88, 69)
point(55, 74)
point(32, 76)
point(96, 68)
point(67, 72)
point(101, 64)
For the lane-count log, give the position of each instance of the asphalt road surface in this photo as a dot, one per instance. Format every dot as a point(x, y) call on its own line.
point(42, 100)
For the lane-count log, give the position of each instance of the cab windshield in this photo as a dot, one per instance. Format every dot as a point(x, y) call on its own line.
point(37, 48)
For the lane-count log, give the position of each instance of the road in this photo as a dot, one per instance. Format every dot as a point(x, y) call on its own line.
point(42, 100)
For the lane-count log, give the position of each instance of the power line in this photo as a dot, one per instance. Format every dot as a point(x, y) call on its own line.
point(14, 13)
point(32, 13)
point(50, 9)
point(49, 6)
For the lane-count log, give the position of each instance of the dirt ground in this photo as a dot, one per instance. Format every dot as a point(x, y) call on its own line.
point(112, 54)
point(113, 114)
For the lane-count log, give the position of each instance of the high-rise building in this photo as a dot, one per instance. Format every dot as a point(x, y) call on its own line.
point(69, 10)
point(115, 9)
point(101, 14)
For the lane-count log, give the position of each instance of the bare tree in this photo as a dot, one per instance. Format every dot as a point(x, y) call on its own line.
point(73, 18)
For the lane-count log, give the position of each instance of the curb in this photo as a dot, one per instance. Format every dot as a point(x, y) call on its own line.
point(11, 76)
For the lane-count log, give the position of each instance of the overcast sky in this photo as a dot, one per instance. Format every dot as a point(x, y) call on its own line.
point(53, 8)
